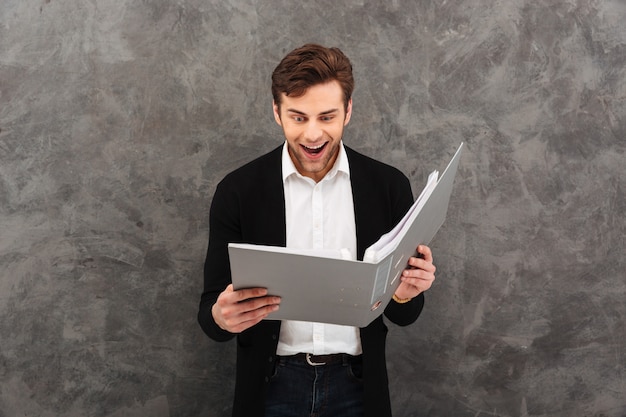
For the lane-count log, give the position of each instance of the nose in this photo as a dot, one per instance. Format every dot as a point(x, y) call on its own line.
point(313, 131)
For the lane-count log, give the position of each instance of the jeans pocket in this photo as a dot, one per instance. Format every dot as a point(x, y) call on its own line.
point(355, 370)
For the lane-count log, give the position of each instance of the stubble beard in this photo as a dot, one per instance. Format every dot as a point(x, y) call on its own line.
point(319, 166)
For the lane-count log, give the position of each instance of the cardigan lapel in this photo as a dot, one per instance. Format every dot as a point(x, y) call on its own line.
point(363, 204)
point(270, 213)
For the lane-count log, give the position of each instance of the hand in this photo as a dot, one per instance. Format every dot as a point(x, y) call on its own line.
point(236, 311)
point(419, 276)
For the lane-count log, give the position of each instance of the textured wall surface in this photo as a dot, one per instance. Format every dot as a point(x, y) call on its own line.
point(117, 120)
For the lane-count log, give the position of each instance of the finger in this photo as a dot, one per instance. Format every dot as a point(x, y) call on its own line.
point(247, 293)
point(419, 280)
point(254, 304)
point(426, 253)
point(419, 263)
point(415, 279)
point(252, 308)
point(238, 311)
point(250, 318)
point(425, 272)
point(260, 312)
point(238, 316)
point(417, 285)
point(418, 274)
point(228, 302)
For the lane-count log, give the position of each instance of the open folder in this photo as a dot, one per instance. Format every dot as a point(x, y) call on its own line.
point(323, 286)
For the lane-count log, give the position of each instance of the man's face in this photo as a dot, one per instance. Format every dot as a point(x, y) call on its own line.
point(313, 124)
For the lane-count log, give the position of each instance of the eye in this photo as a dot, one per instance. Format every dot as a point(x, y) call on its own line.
point(298, 119)
point(327, 118)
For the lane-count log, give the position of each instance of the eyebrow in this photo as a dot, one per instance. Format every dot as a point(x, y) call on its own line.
point(324, 113)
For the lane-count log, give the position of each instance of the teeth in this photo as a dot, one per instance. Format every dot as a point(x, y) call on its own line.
point(313, 148)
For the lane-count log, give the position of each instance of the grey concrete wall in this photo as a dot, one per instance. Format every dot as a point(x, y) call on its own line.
point(117, 119)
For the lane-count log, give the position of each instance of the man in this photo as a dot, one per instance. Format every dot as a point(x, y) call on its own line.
point(311, 192)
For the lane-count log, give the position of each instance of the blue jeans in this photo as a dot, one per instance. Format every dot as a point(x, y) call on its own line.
point(298, 389)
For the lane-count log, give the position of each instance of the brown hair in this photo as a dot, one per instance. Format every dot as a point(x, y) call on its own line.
point(310, 65)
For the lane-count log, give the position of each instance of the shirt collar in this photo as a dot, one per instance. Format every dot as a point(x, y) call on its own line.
point(341, 164)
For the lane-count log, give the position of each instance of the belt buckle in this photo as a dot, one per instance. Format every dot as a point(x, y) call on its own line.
point(310, 362)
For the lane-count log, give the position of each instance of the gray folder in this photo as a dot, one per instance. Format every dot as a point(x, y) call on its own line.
point(321, 286)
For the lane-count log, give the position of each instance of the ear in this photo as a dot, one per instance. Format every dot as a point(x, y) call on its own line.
point(348, 113)
point(277, 114)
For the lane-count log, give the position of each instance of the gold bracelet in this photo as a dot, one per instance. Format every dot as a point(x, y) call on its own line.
point(401, 300)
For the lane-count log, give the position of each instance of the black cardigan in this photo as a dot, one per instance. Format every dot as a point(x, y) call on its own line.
point(249, 207)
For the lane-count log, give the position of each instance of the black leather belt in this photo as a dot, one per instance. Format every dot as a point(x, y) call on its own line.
point(319, 360)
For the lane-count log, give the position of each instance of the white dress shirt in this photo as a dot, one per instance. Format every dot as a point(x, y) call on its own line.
point(319, 216)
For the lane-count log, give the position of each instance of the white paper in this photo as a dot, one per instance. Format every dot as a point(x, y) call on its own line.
point(389, 241)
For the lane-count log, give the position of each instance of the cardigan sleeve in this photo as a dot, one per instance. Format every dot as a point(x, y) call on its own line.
point(407, 313)
point(401, 200)
point(248, 206)
point(224, 227)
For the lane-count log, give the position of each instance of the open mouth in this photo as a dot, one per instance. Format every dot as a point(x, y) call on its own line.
point(314, 150)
